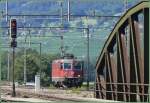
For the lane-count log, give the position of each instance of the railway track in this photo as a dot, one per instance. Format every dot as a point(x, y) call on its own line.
point(27, 93)
point(56, 95)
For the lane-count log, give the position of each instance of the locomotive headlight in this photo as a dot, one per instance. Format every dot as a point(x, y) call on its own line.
point(78, 76)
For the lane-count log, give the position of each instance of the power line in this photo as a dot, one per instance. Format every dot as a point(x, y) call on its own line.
point(29, 27)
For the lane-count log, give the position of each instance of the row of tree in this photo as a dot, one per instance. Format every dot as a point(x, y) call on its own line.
point(35, 64)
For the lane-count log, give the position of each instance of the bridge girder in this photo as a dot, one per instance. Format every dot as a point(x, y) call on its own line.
point(123, 65)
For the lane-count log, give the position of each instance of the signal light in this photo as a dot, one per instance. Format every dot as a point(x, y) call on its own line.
point(13, 32)
point(13, 28)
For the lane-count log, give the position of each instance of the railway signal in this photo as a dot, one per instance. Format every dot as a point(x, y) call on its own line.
point(13, 35)
point(13, 28)
point(13, 32)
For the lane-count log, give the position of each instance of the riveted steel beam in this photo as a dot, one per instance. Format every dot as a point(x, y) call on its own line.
point(137, 51)
point(113, 73)
point(98, 83)
point(133, 62)
point(124, 60)
point(109, 77)
point(121, 74)
point(146, 50)
point(126, 74)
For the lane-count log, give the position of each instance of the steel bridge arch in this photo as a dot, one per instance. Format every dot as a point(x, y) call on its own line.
point(122, 69)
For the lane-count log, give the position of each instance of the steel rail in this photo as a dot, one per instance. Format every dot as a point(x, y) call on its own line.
point(44, 95)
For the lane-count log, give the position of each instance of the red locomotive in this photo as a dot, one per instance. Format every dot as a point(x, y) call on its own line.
point(67, 71)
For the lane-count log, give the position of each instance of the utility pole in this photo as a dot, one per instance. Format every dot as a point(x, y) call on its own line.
point(8, 61)
point(88, 58)
point(61, 12)
point(125, 5)
point(62, 46)
point(68, 10)
point(25, 57)
point(29, 38)
point(6, 10)
point(62, 42)
point(40, 59)
point(8, 68)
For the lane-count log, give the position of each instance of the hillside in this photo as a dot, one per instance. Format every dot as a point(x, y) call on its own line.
point(74, 40)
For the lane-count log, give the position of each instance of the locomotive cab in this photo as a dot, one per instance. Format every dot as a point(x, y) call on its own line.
point(68, 72)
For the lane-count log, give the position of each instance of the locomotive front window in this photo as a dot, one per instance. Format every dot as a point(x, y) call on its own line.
point(77, 65)
point(67, 65)
point(61, 65)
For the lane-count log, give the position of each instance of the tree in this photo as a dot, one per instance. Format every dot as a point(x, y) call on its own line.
point(4, 65)
point(33, 66)
point(46, 61)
